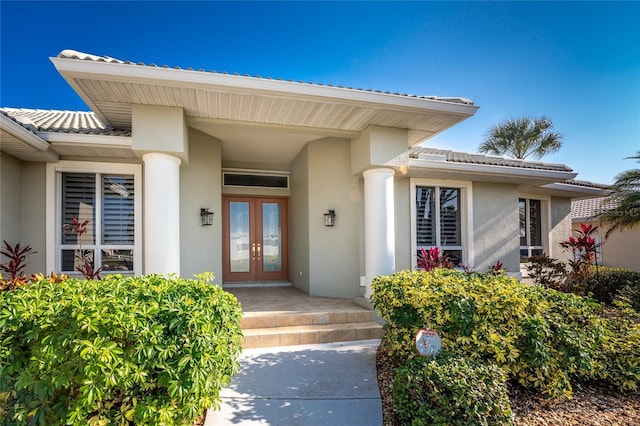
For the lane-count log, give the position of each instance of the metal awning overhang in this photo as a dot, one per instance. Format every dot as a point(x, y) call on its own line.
point(110, 89)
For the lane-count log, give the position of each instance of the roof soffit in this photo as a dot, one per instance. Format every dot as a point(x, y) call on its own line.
point(110, 88)
point(19, 142)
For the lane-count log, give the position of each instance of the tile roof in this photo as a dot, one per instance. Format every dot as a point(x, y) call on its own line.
point(590, 208)
point(41, 120)
point(73, 54)
point(587, 184)
point(490, 160)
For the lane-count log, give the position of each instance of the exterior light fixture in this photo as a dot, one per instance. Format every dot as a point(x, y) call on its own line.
point(206, 216)
point(330, 218)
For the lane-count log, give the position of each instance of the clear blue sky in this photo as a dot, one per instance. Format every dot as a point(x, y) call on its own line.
point(577, 62)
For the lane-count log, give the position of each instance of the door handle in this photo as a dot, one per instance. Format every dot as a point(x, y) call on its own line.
point(259, 249)
point(253, 251)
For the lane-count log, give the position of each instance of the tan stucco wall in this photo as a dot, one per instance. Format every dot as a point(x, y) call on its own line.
point(495, 226)
point(34, 176)
point(299, 221)
point(10, 199)
point(200, 187)
point(22, 208)
point(402, 199)
point(621, 249)
point(159, 129)
point(560, 227)
point(333, 252)
point(377, 146)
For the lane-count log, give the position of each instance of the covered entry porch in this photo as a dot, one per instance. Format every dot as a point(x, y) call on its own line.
point(284, 316)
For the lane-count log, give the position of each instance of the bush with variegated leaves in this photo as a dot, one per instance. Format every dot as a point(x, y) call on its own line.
point(125, 350)
point(542, 338)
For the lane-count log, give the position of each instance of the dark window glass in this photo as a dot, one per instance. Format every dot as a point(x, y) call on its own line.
point(425, 210)
point(265, 181)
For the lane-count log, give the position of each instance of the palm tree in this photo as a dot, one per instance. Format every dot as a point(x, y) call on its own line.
point(521, 138)
point(624, 201)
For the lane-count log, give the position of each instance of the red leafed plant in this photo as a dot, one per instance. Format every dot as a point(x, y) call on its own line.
point(15, 267)
point(86, 267)
point(432, 258)
point(583, 248)
point(497, 269)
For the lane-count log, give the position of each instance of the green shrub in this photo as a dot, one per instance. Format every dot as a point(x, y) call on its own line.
point(146, 350)
point(621, 350)
point(441, 391)
point(606, 283)
point(548, 272)
point(542, 338)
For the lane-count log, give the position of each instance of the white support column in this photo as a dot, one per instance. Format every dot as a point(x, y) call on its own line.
point(379, 239)
point(161, 213)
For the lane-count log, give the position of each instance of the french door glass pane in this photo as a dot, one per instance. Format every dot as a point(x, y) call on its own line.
point(449, 217)
point(239, 250)
point(271, 238)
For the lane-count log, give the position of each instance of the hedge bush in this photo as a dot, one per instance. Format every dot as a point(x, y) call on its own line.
point(540, 337)
point(443, 391)
point(606, 284)
point(145, 350)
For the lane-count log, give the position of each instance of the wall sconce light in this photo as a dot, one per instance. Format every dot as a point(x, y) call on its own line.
point(330, 218)
point(206, 216)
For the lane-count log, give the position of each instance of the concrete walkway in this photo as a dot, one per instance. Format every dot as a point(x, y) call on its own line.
point(322, 384)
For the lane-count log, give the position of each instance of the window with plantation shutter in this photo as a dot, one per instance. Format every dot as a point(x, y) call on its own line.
point(117, 210)
point(438, 220)
point(98, 222)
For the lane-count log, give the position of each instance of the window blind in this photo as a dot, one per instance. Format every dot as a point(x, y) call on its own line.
point(425, 210)
point(449, 217)
point(78, 200)
point(117, 210)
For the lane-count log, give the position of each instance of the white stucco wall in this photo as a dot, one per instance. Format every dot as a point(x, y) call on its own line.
point(200, 187)
point(496, 226)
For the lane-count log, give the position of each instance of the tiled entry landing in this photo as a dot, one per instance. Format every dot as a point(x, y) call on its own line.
point(284, 316)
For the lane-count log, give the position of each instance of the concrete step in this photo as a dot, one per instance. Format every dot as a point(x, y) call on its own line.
point(270, 319)
point(308, 334)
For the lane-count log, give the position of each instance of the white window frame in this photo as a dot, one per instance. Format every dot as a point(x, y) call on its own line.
point(54, 224)
point(545, 229)
point(466, 217)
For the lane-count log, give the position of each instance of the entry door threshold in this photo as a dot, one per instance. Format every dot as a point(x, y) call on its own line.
point(241, 284)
